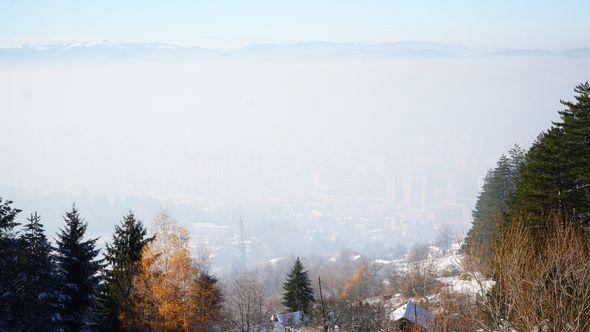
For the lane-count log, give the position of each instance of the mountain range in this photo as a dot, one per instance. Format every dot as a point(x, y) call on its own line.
point(104, 50)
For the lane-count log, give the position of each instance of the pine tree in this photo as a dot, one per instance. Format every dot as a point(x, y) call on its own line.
point(556, 176)
point(298, 294)
point(575, 124)
point(7, 216)
point(494, 203)
point(35, 286)
point(9, 248)
point(517, 161)
point(78, 271)
point(543, 188)
point(123, 257)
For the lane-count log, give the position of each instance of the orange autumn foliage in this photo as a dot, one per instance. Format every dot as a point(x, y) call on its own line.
point(354, 287)
point(172, 293)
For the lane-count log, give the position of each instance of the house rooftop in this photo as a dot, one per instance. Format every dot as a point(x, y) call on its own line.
point(413, 312)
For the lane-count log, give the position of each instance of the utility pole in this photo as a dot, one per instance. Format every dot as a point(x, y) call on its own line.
point(260, 312)
point(415, 313)
point(322, 303)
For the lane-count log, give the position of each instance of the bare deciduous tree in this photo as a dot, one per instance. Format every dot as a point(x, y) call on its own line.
point(245, 306)
point(543, 276)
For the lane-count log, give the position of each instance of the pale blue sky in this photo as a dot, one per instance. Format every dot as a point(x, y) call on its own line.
point(554, 24)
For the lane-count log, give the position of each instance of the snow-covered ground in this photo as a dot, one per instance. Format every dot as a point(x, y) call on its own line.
point(448, 267)
point(471, 284)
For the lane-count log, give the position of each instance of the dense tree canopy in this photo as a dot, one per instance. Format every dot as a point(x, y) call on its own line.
point(551, 178)
point(556, 175)
point(493, 203)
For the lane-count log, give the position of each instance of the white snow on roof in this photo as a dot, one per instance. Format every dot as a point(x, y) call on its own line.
point(399, 313)
point(414, 313)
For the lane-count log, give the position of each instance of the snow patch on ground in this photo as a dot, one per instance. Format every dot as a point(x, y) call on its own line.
point(449, 264)
point(472, 284)
point(276, 260)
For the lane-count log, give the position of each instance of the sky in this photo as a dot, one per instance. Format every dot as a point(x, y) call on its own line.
point(227, 24)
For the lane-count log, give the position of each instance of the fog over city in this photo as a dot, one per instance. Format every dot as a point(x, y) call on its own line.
point(317, 152)
point(272, 166)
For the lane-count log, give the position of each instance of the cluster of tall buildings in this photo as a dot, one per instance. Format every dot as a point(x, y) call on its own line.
point(418, 191)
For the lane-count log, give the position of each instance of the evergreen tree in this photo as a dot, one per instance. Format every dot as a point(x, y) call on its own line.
point(556, 176)
point(546, 177)
point(575, 124)
point(78, 272)
point(123, 257)
point(35, 285)
point(7, 216)
point(9, 247)
point(298, 293)
point(517, 161)
point(494, 202)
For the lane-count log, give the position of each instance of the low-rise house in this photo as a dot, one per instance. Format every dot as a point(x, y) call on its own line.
point(412, 315)
point(284, 320)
